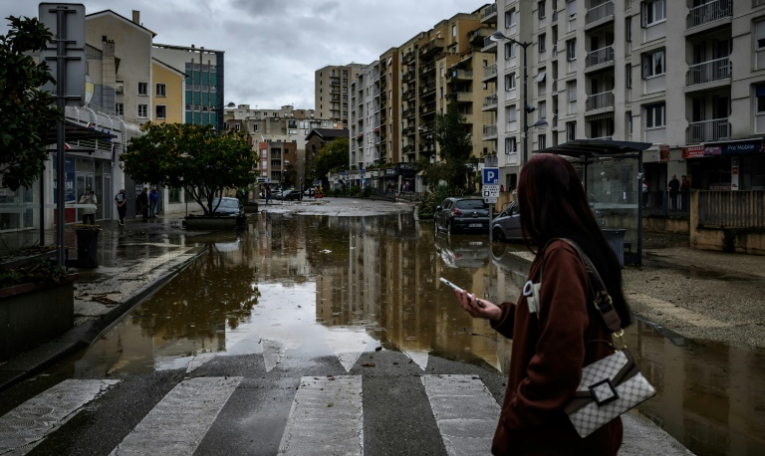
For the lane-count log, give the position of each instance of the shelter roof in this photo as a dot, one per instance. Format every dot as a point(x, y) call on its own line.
point(591, 148)
point(76, 132)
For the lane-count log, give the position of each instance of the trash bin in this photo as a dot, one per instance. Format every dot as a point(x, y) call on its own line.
point(615, 238)
point(87, 247)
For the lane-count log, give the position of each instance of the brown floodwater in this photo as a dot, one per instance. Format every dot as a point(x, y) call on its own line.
point(311, 286)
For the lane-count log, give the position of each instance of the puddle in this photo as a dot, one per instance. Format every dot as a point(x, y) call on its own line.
point(315, 286)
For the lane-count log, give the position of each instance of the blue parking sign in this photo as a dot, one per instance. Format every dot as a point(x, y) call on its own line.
point(491, 176)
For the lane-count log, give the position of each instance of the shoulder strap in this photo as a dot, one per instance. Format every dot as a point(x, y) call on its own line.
point(602, 300)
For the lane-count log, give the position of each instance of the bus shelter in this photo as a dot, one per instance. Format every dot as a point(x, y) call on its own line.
point(612, 174)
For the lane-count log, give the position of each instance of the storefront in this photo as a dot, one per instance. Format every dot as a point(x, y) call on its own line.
point(734, 165)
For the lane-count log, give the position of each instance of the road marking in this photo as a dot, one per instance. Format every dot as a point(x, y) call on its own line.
point(466, 413)
point(419, 358)
point(179, 422)
point(682, 314)
point(348, 344)
point(199, 360)
point(24, 427)
point(273, 351)
point(326, 418)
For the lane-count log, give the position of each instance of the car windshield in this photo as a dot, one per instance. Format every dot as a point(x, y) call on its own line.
point(471, 204)
point(231, 203)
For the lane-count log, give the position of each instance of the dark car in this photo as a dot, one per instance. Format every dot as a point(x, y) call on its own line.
point(288, 195)
point(462, 214)
point(227, 206)
point(507, 225)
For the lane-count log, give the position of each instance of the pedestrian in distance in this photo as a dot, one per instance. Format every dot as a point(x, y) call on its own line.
point(645, 193)
point(685, 193)
point(89, 213)
point(143, 201)
point(120, 199)
point(502, 189)
point(153, 201)
point(674, 189)
point(554, 325)
point(268, 193)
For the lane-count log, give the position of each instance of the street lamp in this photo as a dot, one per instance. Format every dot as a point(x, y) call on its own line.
point(500, 37)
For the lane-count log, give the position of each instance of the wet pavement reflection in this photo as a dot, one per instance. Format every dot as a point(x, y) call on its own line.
point(312, 286)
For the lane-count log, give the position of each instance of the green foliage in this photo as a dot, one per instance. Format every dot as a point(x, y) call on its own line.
point(333, 155)
point(451, 132)
point(337, 193)
point(26, 113)
point(366, 192)
point(192, 157)
point(40, 271)
point(354, 191)
point(432, 199)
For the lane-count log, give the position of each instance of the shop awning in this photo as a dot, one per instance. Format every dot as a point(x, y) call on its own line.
point(589, 148)
point(75, 132)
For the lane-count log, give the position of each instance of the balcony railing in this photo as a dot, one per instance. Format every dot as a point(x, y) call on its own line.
point(487, 43)
point(708, 130)
point(713, 70)
point(489, 131)
point(462, 97)
point(599, 12)
point(490, 101)
point(710, 12)
point(460, 74)
point(490, 10)
point(490, 71)
point(600, 101)
point(602, 55)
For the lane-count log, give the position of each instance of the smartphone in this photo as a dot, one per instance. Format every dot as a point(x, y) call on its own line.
point(470, 295)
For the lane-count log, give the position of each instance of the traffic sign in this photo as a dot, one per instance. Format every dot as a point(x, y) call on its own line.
point(491, 191)
point(490, 200)
point(491, 176)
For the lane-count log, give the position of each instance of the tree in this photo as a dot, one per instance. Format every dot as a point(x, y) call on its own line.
point(332, 155)
point(26, 112)
point(451, 132)
point(192, 157)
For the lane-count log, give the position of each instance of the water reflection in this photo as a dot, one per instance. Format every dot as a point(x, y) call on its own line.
point(311, 286)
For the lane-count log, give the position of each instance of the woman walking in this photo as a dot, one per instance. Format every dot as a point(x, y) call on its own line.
point(552, 328)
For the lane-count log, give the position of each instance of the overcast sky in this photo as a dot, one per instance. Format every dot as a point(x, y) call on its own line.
point(273, 47)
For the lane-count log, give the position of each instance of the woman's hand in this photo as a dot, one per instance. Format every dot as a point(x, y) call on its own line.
point(478, 308)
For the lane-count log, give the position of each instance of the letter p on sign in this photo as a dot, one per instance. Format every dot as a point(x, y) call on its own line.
point(491, 176)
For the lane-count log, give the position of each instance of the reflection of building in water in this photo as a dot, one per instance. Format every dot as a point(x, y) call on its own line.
point(279, 240)
point(712, 399)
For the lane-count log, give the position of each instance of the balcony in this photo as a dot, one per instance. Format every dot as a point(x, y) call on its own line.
point(601, 100)
point(599, 12)
point(478, 35)
point(600, 56)
point(433, 47)
point(489, 132)
point(708, 131)
point(408, 57)
point(427, 90)
point(490, 15)
point(710, 12)
point(409, 149)
point(462, 97)
point(490, 102)
point(489, 45)
point(460, 75)
point(409, 76)
point(428, 109)
point(409, 95)
point(713, 70)
point(429, 68)
point(490, 72)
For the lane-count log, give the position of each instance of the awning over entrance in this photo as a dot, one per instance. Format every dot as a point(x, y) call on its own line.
point(76, 132)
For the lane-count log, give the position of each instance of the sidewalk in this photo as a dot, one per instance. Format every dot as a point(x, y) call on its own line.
point(135, 260)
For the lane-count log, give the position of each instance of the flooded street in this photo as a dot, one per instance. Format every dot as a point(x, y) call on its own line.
point(296, 288)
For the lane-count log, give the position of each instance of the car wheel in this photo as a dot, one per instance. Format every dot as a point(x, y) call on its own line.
point(499, 235)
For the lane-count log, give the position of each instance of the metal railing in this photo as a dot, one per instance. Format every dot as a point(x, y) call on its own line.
point(490, 10)
point(461, 74)
point(490, 71)
point(600, 100)
point(487, 42)
point(602, 55)
point(599, 12)
point(708, 130)
point(664, 203)
point(728, 209)
point(712, 70)
point(489, 131)
point(490, 101)
point(710, 12)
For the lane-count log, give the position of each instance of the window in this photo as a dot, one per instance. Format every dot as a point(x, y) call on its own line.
point(541, 9)
point(174, 195)
point(255, 128)
point(655, 116)
point(653, 12)
point(119, 109)
point(509, 82)
point(653, 64)
point(511, 113)
point(571, 9)
point(542, 42)
point(161, 111)
point(161, 90)
point(759, 35)
point(759, 93)
point(511, 146)
point(511, 18)
point(628, 76)
point(143, 88)
point(542, 110)
point(143, 110)
point(454, 30)
point(571, 50)
point(628, 116)
point(571, 90)
point(570, 131)
point(628, 29)
point(509, 51)
point(542, 141)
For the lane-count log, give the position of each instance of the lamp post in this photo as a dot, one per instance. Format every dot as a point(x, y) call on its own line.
point(500, 37)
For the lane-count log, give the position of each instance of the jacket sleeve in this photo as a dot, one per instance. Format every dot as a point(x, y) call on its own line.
point(506, 322)
point(555, 368)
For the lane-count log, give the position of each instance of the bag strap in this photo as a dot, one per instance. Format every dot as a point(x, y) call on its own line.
point(602, 300)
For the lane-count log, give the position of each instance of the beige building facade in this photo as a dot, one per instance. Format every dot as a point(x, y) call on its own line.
point(332, 92)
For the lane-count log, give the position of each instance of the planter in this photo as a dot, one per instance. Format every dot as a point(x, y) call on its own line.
point(251, 208)
point(215, 223)
point(87, 246)
point(32, 314)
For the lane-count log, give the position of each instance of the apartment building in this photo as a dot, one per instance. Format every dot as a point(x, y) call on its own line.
point(169, 85)
point(364, 128)
point(331, 86)
point(390, 99)
point(687, 76)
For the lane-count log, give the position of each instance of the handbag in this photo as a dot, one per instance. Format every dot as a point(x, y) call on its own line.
point(612, 385)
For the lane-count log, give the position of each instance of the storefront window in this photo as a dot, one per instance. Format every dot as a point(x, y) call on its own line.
point(174, 195)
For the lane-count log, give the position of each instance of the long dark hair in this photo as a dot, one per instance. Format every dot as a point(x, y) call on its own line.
point(553, 205)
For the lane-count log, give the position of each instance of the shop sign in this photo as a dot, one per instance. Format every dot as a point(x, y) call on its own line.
point(693, 152)
point(742, 148)
point(664, 153)
point(711, 151)
point(720, 187)
point(390, 172)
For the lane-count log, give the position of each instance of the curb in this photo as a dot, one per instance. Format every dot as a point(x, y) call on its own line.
point(30, 363)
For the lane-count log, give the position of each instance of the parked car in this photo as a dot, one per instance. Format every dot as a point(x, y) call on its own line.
point(227, 206)
point(462, 251)
point(287, 195)
point(462, 214)
point(507, 225)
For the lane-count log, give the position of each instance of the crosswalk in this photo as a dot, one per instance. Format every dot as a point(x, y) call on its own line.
point(326, 415)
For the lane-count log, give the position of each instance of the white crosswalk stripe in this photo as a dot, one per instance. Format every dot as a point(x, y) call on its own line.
point(178, 423)
point(465, 411)
point(27, 425)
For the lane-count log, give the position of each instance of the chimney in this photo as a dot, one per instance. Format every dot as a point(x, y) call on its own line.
point(136, 17)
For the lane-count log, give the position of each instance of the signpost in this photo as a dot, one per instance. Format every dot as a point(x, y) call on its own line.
point(490, 192)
